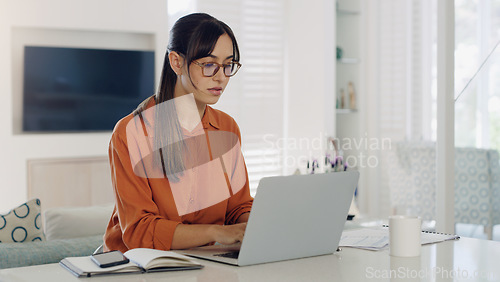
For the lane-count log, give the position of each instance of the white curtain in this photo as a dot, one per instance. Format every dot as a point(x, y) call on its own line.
point(400, 81)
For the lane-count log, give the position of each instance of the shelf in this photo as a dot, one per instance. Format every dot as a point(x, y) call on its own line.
point(346, 111)
point(348, 60)
point(347, 12)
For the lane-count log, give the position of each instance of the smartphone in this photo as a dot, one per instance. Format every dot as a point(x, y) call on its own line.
point(108, 259)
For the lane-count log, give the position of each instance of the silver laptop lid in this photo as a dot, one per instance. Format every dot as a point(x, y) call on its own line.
point(297, 216)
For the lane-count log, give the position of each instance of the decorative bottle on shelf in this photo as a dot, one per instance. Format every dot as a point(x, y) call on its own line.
point(342, 98)
point(352, 95)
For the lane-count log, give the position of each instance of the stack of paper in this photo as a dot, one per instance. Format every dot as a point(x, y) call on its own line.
point(365, 238)
point(378, 238)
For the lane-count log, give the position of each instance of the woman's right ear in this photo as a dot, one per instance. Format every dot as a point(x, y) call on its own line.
point(176, 62)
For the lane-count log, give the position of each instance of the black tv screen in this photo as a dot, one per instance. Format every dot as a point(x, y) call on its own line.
point(74, 89)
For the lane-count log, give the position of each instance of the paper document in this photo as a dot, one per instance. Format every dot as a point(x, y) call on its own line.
point(365, 238)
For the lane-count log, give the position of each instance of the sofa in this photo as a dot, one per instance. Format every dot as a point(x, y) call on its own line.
point(66, 232)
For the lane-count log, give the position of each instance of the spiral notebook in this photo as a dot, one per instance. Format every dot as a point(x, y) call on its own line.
point(378, 238)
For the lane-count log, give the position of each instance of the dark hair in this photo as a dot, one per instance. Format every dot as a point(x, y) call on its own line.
point(193, 36)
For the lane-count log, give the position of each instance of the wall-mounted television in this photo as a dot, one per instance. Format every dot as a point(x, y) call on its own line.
point(76, 89)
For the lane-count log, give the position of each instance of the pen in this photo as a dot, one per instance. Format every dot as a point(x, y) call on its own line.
point(314, 165)
point(340, 164)
point(327, 160)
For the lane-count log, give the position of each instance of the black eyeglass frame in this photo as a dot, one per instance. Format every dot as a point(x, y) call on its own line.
point(219, 66)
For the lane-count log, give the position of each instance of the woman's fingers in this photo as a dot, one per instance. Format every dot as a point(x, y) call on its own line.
point(230, 234)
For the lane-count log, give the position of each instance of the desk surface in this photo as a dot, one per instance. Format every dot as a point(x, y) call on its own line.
point(462, 260)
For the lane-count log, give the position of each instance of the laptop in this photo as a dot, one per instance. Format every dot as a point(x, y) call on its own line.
point(292, 217)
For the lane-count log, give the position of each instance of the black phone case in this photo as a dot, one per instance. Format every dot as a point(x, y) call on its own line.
point(114, 263)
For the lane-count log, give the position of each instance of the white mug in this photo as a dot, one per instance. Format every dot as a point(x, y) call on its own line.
point(404, 235)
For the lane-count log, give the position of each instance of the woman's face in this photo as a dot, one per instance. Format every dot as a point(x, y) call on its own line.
point(207, 90)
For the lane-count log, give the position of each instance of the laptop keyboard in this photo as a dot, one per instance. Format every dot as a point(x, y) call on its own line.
point(229, 255)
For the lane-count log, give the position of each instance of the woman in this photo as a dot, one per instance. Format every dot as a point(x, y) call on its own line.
point(177, 171)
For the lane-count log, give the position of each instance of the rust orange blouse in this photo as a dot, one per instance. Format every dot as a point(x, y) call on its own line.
point(147, 210)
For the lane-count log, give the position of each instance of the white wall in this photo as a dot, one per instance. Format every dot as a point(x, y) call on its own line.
point(81, 16)
point(311, 77)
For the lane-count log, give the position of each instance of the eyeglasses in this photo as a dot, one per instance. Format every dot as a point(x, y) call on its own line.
point(210, 69)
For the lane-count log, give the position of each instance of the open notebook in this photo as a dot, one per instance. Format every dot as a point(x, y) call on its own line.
point(378, 238)
point(141, 260)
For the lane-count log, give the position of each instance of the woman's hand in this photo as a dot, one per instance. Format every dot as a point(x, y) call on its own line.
point(194, 235)
point(229, 234)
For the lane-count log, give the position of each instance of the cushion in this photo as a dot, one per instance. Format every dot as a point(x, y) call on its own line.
point(74, 222)
point(22, 224)
point(33, 253)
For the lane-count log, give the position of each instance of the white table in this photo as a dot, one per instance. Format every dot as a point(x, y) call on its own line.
point(462, 260)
